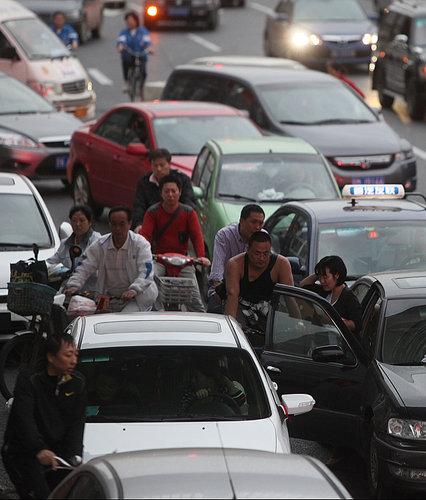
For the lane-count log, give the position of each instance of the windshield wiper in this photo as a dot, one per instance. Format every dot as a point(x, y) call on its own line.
point(337, 121)
point(16, 245)
point(290, 122)
point(238, 197)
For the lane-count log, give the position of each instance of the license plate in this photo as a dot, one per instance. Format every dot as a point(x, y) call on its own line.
point(368, 180)
point(61, 162)
point(179, 11)
point(80, 112)
point(343, 53)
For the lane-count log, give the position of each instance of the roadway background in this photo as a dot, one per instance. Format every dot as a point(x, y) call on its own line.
point(240, 32)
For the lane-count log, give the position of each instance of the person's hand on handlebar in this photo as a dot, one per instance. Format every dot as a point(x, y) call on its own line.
point(47, 458)
point(204, 261)
point(128, 295)
point(70, 291)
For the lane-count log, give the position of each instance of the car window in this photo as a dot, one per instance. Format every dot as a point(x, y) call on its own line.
point(241, 97)
point(22, 223)
point(194, 87)
point(360, 290)
point(114, 126)
point(185, 135)
point(38, 41)
point(199, 166)
point(161, 383)
point(370, 325)
point(278, 231)
point(300, 325)
point(296, 240)
point(404, 332)
point(85, 486)
point(207, 174)
point(136, 130)
point(328, 10)
point(314, 104)
point(5, 47)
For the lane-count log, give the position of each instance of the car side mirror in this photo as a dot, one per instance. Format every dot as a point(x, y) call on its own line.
point(401, 38)
point(296, 404)
point(328, 353)
point(137, 149)
point(198, 192)
point(65, 230)
point(9, 53)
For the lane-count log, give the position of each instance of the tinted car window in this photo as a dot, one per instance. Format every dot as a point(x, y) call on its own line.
point(370, 326)
point(160, 384)
point(194, 87)
point(207, 173)
point(114, 126)
point(199, 166)
point(296, 242)
point(136, 131)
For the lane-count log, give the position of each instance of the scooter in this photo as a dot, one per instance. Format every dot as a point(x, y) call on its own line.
point(174, 291)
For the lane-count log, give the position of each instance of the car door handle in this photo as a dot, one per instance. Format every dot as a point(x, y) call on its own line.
point(273, 369)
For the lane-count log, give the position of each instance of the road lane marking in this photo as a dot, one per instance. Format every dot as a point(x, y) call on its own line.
point(262, 8)
point(100, 77)
point(205, 43)
point(419, 152)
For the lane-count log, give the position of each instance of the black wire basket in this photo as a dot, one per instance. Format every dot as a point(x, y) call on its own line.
point(30, 298)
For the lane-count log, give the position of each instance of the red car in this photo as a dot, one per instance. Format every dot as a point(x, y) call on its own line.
point(108, 156)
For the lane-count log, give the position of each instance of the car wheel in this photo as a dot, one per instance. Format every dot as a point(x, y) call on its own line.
point(415, 101)
point(81, 192)
point(375, 479)
point(84, 33)
point(97, 32)
point(213, 20)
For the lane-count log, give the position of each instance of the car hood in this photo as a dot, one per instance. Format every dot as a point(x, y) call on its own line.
point(343, 28)
point(348, 139)
point(42, 126)
point(184, 163)
point(410, 384)
point(43, 7)
point(247, 434)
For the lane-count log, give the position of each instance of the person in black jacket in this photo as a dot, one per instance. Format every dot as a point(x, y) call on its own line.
point(331, 272)
point(46, 419)
point(147, 190)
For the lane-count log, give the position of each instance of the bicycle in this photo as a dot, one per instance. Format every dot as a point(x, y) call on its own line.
point(26, 348)
point(136, 79)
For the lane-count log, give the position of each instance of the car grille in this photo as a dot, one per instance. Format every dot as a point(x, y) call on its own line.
point(362, 162)
point(341, 40)
point(76, 87)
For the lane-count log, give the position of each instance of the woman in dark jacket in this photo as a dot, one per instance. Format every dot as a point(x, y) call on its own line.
point(331, 273)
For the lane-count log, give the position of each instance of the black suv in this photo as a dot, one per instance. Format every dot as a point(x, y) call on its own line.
point(400, 59)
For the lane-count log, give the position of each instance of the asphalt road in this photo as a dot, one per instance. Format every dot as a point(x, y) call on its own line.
point(240, 33)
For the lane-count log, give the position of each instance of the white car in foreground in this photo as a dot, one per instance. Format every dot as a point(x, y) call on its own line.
point(177, 380)
point(201, 473)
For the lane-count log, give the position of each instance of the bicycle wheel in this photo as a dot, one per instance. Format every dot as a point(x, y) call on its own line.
point(132, 83)
point(26, 349)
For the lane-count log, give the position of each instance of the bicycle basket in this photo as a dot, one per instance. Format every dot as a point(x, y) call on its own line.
point(30, 298)
point(174, 290)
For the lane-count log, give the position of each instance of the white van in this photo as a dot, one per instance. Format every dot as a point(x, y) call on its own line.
point(32, 53)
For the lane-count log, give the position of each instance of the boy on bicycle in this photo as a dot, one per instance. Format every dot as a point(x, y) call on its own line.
point(133, 40)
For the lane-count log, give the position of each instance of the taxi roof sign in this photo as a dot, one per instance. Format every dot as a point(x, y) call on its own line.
point(376, 191)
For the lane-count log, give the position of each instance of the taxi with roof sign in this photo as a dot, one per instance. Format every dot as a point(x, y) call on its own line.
point(373, 228)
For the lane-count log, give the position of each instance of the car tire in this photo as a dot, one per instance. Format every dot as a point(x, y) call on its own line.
point(82, 194)
point(416, 103)
point(84, 32)
point(376, 485)
point(213, 20)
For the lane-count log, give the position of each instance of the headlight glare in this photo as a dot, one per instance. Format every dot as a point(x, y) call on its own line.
point(300, 39)
point(314, 40)
point(16, 140)
point(407, 429)
point(369, 38)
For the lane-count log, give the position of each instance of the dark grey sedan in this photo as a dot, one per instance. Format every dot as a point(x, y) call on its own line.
point(360, 146)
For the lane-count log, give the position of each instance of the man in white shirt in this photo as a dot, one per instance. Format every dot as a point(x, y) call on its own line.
point(123, 260)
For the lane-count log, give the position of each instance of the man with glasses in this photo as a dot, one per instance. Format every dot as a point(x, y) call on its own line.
point(250, 280)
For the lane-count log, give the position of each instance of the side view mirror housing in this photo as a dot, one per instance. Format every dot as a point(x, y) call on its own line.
point(137, 149)
point(198, 192)
point(296, 404)
point(65, 230)
point(328, 353)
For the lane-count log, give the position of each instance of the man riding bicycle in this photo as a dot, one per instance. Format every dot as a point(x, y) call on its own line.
point(133, 41)
point(169, 225)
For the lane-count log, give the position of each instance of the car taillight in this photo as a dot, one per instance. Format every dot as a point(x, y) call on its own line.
point(152, 11)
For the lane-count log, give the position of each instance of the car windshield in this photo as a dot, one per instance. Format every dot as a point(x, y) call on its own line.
point(172, 383)
point(404, 334)
point(275, 177)
point(185, 135)
point(305, 104)
point(373, 246)
point(16, 98)
point(36, 39)
point(328, 10)
point(21, 223)
point(420, 31)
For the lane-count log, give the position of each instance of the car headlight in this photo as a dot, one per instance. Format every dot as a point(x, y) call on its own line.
point(16, 140)
point(407, 429)
point(405, 155)
point(369, 38)
point(301, 39)
point(45, 89)
point(89, 85)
